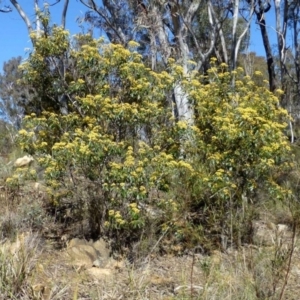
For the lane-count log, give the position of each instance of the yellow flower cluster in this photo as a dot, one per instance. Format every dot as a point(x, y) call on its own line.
point(116, 217)
point(129, 161)
point(134, 208)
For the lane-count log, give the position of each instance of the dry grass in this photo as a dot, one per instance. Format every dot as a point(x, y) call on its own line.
point(38, 270)
point(17, 261)
point(33, 266)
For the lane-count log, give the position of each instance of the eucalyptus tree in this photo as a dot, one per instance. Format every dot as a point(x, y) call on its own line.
point(283, 63)
point(287, 33)
point(182, 30)
point(11, 93)
point(289, 55)
point(290, 52)
point(261, 8)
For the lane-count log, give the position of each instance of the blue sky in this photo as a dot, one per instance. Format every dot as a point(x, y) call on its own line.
point(256, 39)
point(256, 43)
point(14, 35)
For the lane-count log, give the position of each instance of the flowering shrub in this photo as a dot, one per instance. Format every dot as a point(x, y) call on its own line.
point(123, 160)
point(237, 146)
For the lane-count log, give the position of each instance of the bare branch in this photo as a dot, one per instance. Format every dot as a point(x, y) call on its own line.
point(161, 34)
point(22, 14)
point(54, 3)
point(205, 55)
point(6, 10)
point(221, 34)
point(64, 14)
point(38, 21)
point(93, 6)
point(237, 40)
point(192, 11)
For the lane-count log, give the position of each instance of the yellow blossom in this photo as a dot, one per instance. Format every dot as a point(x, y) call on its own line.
point(182, 125)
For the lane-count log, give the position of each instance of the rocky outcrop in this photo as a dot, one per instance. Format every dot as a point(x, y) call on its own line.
point(94, 257)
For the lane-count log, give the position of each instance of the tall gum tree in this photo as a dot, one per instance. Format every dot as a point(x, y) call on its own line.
point(168, 29)
point(11, 93)
point(283, 64)
point(237, 39)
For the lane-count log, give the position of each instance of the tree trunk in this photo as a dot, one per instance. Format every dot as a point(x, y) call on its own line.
point(236, 41)
point(270, 60)
point(281, 29)
point(183, 107)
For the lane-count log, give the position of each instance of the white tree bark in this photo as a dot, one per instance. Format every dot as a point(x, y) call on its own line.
point(220, 31)
point(236, 40)
point(37, 19)
point(169, 25)
point(22, 14)
point(281, 29)
point(184, 107)
point(27, 21)
point(181, 26)
point(204, 56)
point(160, 31)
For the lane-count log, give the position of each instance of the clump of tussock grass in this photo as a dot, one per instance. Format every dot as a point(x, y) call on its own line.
point(17, 261)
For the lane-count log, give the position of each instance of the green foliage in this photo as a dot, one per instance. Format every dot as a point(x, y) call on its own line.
point(6, 138)
point(48, 59)
point(12, 94)
point(238, 146)
point(123, 161)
